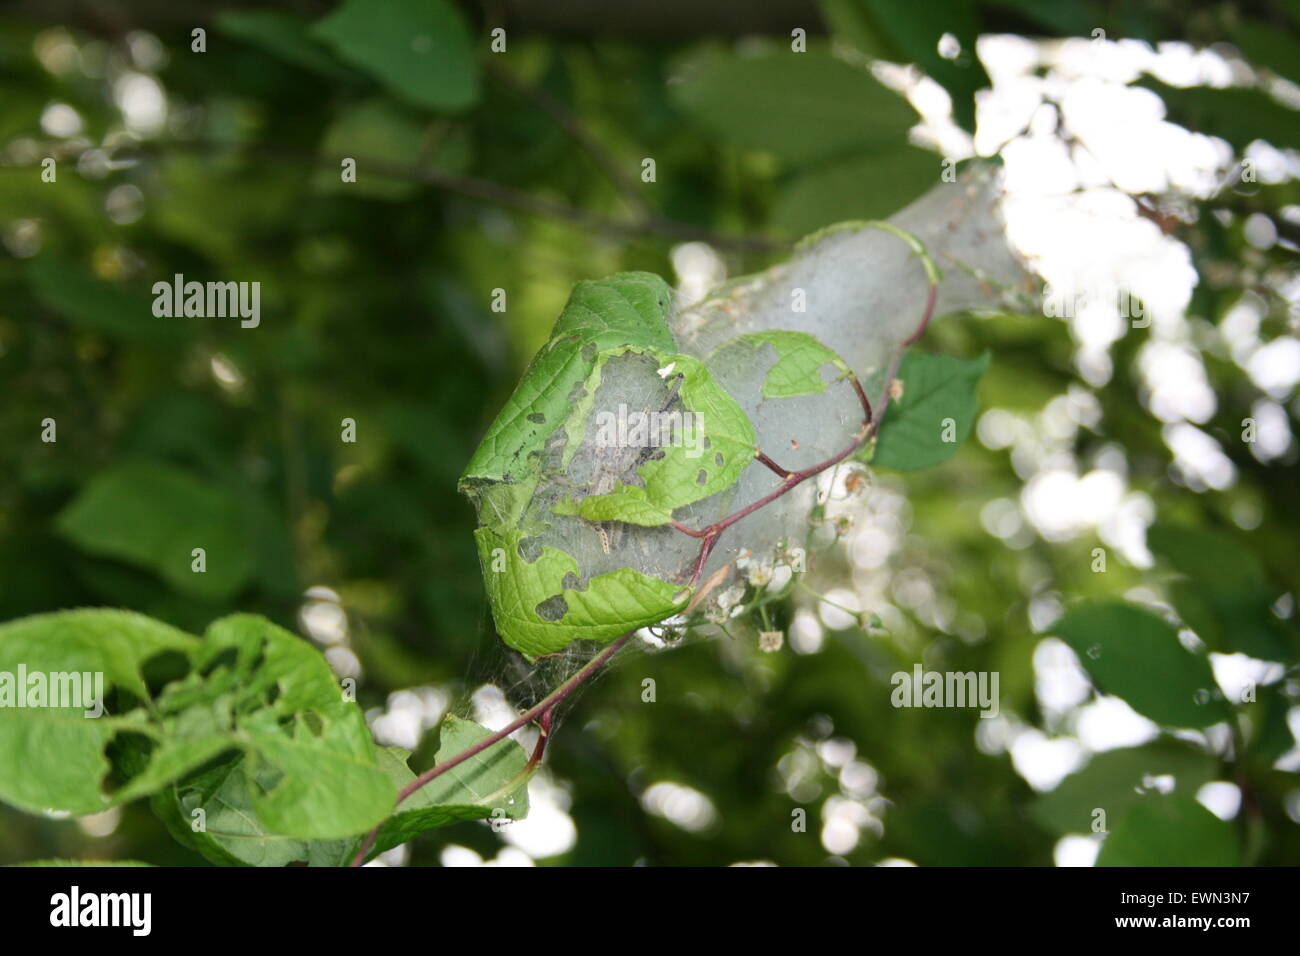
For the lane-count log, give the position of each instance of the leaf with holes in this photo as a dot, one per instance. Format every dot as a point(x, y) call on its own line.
point(705, 447)
point(624, 310)
point(519, 478)
point(248, 691)
point(541, 606)
point(53, 758)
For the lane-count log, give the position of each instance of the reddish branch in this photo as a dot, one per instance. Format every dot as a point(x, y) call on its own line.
point(762, 459)
point(544, 712)
point(543, 735)
point(791, 479)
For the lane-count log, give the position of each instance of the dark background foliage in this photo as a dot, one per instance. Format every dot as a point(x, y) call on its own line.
point(522, 172)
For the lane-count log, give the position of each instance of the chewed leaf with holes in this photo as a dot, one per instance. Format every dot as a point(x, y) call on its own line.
point(248, 693)
point(561, 451)
point(626, 309)
point(490, 785)
point(52, 757)
point(693, 451)
point(541, 606)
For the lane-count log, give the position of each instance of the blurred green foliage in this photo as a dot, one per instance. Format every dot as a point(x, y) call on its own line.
point(376, 307)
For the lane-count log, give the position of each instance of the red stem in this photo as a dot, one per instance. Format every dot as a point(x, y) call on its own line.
point(870, 424)
point(925, 319)
point(545, 710)
point(706, 548)
point(709, 537)
point(544, 729)
point(763, 459)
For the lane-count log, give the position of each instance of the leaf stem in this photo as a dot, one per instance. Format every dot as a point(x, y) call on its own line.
point(544, 734)
point(857, 614)
point(764, 460)
point(545, 710)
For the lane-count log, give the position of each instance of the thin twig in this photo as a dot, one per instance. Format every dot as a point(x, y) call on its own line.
point(708, 539)
point(870, 425)
point(544, 709)
point(543, 735)
point(925, 319)
point(773, 466)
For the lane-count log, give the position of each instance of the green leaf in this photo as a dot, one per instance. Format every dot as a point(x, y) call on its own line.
point(82, 863)
point(229, 832)
point(1135, 654)
point(1117, 779)
point(627, 503)
point(1170, 830)
point(687, 473)
point(1239, 115)
point(99, 306)
point(248, 688)
point(381, 135)
point(800, 359)
point(625, 309)
point(1060, 19)
point(1270, 733)
point(291, 719)
point(903, 31)
point(1197, 612)
point(803, 107)
point(283, 35)
point(1225, 596)
point(492, 784)
point(153, 515)
point(1216, 561)
point(607, 606)
point(938, 403)
point(869, 186)
point(419, 49)
point(1263, 44)
point(53, 758)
